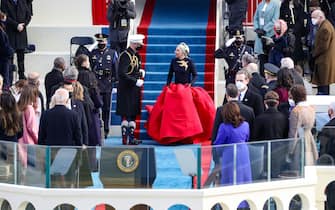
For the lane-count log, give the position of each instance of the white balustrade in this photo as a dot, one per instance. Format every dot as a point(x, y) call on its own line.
point(310, 189)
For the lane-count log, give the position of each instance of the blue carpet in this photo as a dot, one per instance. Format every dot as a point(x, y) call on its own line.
point(176, 13)
point(172, 22)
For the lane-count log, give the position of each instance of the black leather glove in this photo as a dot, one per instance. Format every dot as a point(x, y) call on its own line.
point(260, 32)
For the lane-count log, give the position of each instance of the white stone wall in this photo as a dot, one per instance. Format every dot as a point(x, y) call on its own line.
point(310, 189)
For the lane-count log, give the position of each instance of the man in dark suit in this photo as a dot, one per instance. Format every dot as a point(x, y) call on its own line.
point(327, 134)
point(60, 125)
point(54, 77)
point(269, 125)
point(246, 112)
point(246, 95)
point(327, 147)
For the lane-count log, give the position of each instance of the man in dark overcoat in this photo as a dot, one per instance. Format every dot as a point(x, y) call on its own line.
point(6, 52)
point(119, 14)
point(129, 88)
point(54, 77)
point(246, 112)
point(60, 125)
point(270, 125)
point(18, 18)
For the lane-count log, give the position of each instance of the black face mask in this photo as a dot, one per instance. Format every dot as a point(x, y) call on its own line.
point(139, 47)
point(238, 42)
point(101, 46)
point(70, 95)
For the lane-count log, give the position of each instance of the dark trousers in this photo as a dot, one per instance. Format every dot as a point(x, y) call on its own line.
point(4, 71)
point(20, 62)
point(262, 60)
point(237, 13)
point(106, 109)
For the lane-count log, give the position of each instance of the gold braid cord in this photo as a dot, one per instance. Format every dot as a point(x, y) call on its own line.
point(133, 62)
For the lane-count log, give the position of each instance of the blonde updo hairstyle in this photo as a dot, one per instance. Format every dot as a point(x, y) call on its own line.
point(184, 48)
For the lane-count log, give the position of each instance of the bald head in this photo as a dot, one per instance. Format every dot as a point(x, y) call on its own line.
point(317, 17)
point(61, 96)
point(252, 68)
point(33, 78)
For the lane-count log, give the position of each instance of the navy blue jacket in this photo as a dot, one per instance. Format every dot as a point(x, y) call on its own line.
point(60, 126)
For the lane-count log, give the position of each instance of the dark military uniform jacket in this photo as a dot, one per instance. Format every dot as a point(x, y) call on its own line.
point(105, 65)
point(128, 94)
point(233, 56)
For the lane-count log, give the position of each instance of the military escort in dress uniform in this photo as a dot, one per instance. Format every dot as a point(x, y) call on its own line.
point(270, 72)
point(105, 64)
point(129, 90)
point(232, 52)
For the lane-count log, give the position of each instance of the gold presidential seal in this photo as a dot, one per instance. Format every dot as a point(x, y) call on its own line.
point(127, 161)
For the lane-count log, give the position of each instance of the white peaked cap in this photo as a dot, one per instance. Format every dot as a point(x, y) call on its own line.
point(136, 38)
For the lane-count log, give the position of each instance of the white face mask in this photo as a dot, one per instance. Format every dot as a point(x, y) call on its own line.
point(240, 85)
point(291, 102)
point(314, 21)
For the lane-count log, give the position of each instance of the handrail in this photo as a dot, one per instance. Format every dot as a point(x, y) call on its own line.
point(136, 167)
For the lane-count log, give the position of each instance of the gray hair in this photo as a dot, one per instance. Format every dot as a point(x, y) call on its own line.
point(60, 97)
point(71, 73)
point(287, 62)
point(247, 58)
point(252, 68)
point(33, 78)
point(59, 63)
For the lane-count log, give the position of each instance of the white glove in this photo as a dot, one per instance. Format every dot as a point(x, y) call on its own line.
point(230, 41)
point(139, 83)
point(142, 73)
point(114, 90)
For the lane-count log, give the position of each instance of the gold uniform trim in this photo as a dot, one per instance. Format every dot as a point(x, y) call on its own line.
point(133, 61)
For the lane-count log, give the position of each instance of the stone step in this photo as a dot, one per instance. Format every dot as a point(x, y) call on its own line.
point(53, 38)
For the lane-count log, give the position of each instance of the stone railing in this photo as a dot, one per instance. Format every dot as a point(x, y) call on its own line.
point(310, 189)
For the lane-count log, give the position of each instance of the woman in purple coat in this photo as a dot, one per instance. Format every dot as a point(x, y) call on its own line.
point(233, 131)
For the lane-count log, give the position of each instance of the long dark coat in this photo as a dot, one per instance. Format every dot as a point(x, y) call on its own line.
point(297, 25)
point(16, 13)
point(323, 53)
point(60, 126)
point(128, 94)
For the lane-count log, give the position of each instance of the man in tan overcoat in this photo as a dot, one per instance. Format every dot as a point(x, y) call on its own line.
point(323, 53)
